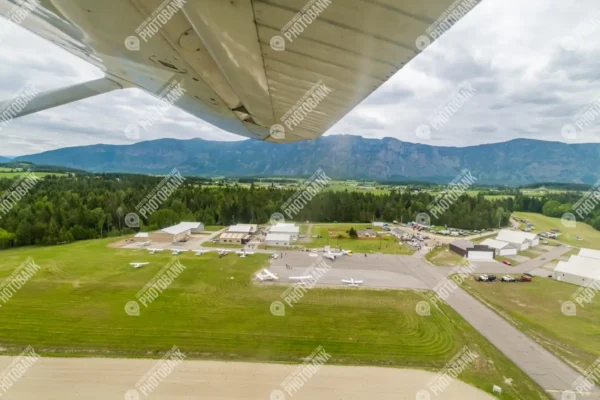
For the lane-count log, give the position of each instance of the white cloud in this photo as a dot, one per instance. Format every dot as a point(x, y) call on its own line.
point(527, 86)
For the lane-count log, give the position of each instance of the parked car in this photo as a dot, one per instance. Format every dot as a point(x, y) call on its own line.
point(506, 262)
point(507, 278)
point(528, 274)
point(482, 278)
point(491, 278)
point(524, 278)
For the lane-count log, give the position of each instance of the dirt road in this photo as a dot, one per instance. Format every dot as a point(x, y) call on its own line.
point(102, 379)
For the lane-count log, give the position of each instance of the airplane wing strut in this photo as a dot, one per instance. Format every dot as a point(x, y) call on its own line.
point(57, 97)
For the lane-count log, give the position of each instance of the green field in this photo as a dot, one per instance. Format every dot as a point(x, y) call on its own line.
point(329, 236)
point(4, 174)
point(74, 306)
point(337, 186)
point(535, 308)
point(528, 254)
point(542, 223)
point(443, 257)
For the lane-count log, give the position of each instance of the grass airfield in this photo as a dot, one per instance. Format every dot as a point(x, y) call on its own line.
point(535, 308)
point(74, 306)
point(542, 223)
point(335, 235)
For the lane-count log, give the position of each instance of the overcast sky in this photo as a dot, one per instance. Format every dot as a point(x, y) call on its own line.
point(532, 66)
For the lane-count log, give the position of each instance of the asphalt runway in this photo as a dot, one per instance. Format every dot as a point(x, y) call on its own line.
point(377, 271)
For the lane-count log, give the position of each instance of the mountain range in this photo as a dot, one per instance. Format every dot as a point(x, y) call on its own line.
point(4, 159)
point(515, 162)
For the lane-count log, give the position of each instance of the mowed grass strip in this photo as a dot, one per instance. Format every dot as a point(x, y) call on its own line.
point(535, 308)
point(10, 175)
point(329, 236)
point(443, 257)
point(542, 223)
point(74, 306)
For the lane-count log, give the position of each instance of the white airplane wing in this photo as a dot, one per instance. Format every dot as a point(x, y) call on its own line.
point(358, 281)
point(265, 274)
point(240, 65)
point(346, 281)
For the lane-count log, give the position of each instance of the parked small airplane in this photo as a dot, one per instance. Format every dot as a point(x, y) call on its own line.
point(334, 255)
point(352, 282)
point(177, 251)
point(146, 243)
point(152, 251)
point(243, 253)
point(201, 252)
point(223, 252)
point(266, 275)
point(138, 265)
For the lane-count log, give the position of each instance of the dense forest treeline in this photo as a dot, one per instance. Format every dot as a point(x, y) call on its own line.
point(68, 208)
point(64, 209)
point(555, 205)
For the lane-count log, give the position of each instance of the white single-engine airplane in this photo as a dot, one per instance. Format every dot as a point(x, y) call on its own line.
point(153, 251)
point(334, 255)
point(177, 251)
point(201, 252)
point(266, 275)
point(138, 265)
point(352, 282)
point(230, 63)
point(243, 253)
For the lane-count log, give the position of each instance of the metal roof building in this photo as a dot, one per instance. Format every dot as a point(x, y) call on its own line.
point(578, 270)
point(472, 251)
point(589, 253)
point(177, 232)
point(184, 227)
point(234, 238)
point(278, 239)
point(502, 248)
point(523, 240)
point(243, 228)
point(290, 229)
point(141, 237)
